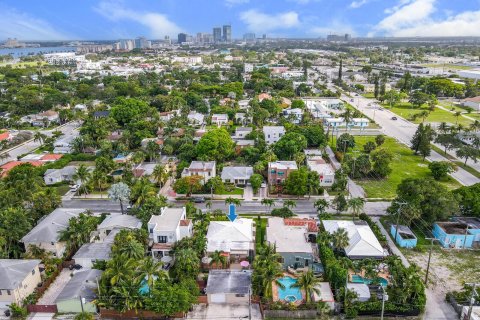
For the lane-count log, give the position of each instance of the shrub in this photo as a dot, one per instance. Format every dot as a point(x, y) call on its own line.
point(338, 156)
point(282, 212)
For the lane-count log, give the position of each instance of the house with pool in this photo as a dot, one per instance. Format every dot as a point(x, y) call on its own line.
point(291, 239)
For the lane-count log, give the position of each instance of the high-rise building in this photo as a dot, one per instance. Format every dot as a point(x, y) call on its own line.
point(335, 37)
point(126, 44)
point(217, 35)
point(182, 37)
point(227, 33)
point(249, 37)
point(142, 43)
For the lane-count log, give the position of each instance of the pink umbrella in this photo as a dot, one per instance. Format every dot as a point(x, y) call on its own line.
point(244, 264)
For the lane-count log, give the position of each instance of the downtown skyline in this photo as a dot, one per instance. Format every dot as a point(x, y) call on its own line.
point(112, 19)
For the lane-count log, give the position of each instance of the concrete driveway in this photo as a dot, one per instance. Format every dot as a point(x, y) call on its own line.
point(224, 312)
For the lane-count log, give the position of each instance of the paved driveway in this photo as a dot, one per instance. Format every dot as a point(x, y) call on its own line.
point(224, 312)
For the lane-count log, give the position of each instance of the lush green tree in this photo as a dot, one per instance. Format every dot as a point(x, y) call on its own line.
point(432, 199)
point(344, 142)
point(379, 140)
point(296, 182)
point(218, 259)
point(256, 181)
point(381, 159)
point(188, 185)
point(187, 264)
point(340, 239)
point(215, 145)
point(340, 202)
point(369, 146)
point(469, 200)
point(79, 230)
point(356, 205)
point(160, 174)
point(418, 98)
point(448, 141)
point(289, 145)
point(468, 152)
point(14, 224)
point(441, 169)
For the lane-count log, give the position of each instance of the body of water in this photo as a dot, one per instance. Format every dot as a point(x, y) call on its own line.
point(22, 52)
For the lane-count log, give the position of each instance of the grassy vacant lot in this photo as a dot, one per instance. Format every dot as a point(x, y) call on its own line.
point(404, 165)
point(24, 64)
point(406, 111)
point(447, 66)
point(261, 232)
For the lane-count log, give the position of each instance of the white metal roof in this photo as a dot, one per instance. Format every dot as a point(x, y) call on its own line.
point(227, 236)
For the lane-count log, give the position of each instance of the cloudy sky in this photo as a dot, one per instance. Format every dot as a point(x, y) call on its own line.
point(114, 19)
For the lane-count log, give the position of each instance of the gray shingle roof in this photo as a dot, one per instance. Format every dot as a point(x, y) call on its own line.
point(226, 281)
point(14, 271)
point(49, 228)
point(82, 284)
point(232, 173)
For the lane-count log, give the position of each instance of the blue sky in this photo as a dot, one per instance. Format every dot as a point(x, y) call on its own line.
point(114, 19)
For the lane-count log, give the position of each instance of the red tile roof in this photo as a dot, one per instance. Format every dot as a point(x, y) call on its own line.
point(310, 223)
point(185, 223)
point(51, 157)
point(4, 136)
point(12, 164)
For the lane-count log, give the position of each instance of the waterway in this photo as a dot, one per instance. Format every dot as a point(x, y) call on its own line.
point(22, 52)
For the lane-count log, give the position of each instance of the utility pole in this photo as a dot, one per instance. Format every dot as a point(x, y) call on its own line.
point(81, 303)
point(384, 298)
point(472, 299)
point(429, 257)
point(400, 204)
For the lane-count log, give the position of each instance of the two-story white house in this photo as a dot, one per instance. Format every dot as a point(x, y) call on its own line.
point(205, 169)
point(294, 114)
point(220, 119)
point(273, 133)
point(170, 226)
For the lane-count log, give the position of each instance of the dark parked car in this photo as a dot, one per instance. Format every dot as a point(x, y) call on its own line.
point(394, 118)
point(198, 200)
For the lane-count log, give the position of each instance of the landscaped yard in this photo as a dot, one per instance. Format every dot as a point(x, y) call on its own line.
point(406, 111)
point(404, 165)
point(62, 189)
point(261, 230)
point(236, 191)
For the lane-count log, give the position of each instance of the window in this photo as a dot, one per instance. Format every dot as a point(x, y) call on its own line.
point(33, 271)
point(9, 293)
point(151, 230)
point(297, 259)
point(239, 295)
point(162, 239)
point(52, 243)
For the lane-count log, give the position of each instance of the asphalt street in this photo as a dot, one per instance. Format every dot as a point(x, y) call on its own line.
point(303, 207)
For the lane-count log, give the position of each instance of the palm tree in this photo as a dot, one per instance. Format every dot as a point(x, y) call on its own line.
point(308, 282)
point(39, 137)
point(321, 205)
point(457, 114)
point(208, 204)
point(356, 204)
point(475, 126)
point(424, 114)
point(269, 274)
point(443, 127)
point(142, 190)
point(160, 174)
point(83, 175)
point(268, 203)
point(152, 150)
point(128, 291)
point(132, 249)
point(347, 116)
point(236, 202)
point(289, 204)
point(150, 270)
point(99, 179)
point(340, 239)
point(218, 258)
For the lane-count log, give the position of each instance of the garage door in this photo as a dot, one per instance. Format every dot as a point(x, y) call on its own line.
point(217, 298)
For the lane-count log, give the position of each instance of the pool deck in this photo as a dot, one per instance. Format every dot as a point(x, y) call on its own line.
point(275, 295)
point(382, 274)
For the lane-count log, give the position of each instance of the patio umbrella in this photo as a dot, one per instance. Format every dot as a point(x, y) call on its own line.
point(244, 264)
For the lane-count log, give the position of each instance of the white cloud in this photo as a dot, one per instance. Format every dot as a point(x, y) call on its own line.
point(15, 24)
point(259, 21)
point(414, 18)
point(358, 4)
point(158, 23)
point(231, 3)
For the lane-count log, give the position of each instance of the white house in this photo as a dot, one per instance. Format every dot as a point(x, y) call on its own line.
point(325, 171)
point(237, 175)
point(170, 226)
point(220, 119)
point(295, 114)
point(241, 118)
point(334, 122)
point(46, 233)
point(18, 279)
point(53, 176)
point(360, 122)
point(242, 132)
point(205, 169)
point(273, 133)
point(362, 241)
point(234, 238)
point(196, 118)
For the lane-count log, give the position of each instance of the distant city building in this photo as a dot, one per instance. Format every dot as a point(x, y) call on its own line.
point(227, 33)
point(182, 37)
point(126, 44)
point(13, 43)
point(63, 58)
point(249, 37)
point(217, 34)
point(142, 43)
point(336, 37)
point(94, 48)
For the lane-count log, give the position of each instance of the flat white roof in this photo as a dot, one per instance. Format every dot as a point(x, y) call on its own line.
point(287, 238)
point(227, 236)
point(168, 220)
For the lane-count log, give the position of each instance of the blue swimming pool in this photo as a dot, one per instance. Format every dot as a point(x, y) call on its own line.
point(289, 293)
point(359, 279)
point(144, 288)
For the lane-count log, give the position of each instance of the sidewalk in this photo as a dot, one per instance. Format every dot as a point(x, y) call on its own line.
point(355, 190)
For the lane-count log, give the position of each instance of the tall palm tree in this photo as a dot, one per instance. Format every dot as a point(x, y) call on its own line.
point(128, 291)
point(235, 201)
point(160, 174)
point(208, 204)
point(340, 239)
point(356, 204)
point(321, 205)
point(475, 126)
point(269, 274)
point(347, 116)
point(150, 270)
point(99, 179)
point(289, 204)
point(443, 127)
point(39, 137)
point(218, 258)
point(132, 249)
point(142, 190)
point(308, 282)
point(118, 269)
point(268, 203)
point(457, 114)
point(82, 174)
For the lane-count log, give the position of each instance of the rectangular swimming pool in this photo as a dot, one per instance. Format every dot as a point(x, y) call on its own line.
point(359, 279)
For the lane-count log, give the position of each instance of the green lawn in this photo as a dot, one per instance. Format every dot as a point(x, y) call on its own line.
point(62, 190)
point(23, 64)
point(406, 111)
point(404, 165)
point(369, 95)
point(261, 232)
point(474, 115)
point(236, 191)
point(447, 66)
